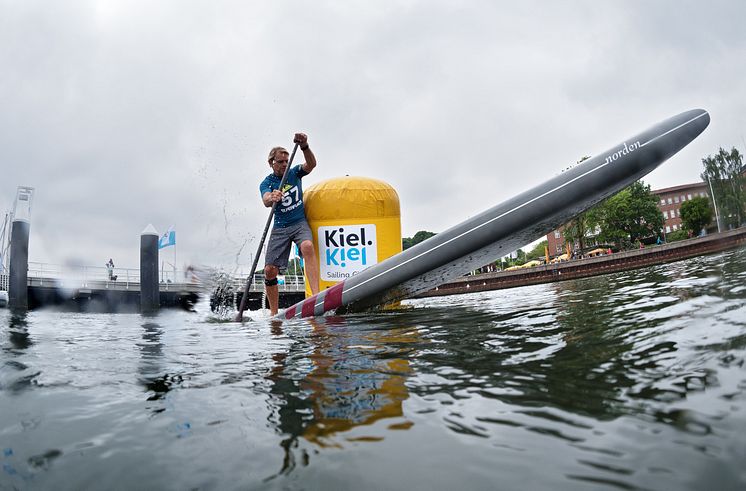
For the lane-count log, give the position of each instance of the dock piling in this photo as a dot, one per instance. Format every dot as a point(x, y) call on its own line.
point(149, 290)
point(18, 281)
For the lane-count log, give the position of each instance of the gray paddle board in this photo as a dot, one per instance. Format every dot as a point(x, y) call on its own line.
point(507, 226)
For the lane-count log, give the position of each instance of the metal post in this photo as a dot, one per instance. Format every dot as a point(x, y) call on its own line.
point(19, 238)
point(18, 284)
point(149, 291)
point(712, 194)
point(4, 244)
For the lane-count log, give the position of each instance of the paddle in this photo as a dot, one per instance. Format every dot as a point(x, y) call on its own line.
point(244, 298)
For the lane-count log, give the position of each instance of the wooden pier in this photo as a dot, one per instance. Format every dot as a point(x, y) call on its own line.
point(97, 293)
point(92, 289)
point(103, 296)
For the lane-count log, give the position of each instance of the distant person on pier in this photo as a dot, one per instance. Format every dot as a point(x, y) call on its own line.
point(290, 223)
point(110, 270)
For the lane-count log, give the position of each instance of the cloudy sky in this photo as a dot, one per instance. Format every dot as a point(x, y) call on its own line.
point(127, 113)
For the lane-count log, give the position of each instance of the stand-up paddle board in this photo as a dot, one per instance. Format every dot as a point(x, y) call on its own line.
point(507, 226)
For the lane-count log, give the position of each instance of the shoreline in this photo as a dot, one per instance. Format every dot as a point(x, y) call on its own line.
point(594, 266)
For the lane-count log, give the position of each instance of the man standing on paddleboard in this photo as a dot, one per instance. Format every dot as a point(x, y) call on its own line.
point(290, 223)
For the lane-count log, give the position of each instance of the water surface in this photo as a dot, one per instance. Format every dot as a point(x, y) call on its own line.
point(628, 381)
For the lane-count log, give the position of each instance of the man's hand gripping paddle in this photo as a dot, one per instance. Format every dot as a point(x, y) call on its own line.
point(244, 298)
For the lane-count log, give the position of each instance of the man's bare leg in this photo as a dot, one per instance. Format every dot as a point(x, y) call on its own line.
point(312, 265)
point(272, 291)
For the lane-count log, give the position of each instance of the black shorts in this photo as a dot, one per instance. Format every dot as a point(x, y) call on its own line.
point(278, 248)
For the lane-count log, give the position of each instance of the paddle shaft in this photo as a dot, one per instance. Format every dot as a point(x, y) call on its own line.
point(245, 296)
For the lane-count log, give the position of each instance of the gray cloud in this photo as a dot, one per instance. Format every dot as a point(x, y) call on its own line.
point(122, 114)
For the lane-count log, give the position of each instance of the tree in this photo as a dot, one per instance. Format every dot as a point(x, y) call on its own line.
point(630, 215)
point(677, 235)
point(294, 267)
point(537, 252)
point(724, 173)
point(408, 242)
point(576, 229)
point(520, 257)
point(696, 214)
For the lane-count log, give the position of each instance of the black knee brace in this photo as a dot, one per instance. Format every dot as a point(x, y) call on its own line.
point(271, 282)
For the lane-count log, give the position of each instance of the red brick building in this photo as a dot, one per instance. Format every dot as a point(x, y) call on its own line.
point(670, 200)
point(669, 203)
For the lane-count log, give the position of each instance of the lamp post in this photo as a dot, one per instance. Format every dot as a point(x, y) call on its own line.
point(712, 193)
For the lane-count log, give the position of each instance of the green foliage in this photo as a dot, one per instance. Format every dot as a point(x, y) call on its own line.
point(537, 252)
point(520, 257)
point(628, 216)
point(408, 242)
point(696, 214)
point(294, 267)
point(576, 229)
point(677, 235)
point(724, 174)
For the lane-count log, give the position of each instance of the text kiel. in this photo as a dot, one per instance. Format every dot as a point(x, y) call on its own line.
point(342, 247)
point(337, 238)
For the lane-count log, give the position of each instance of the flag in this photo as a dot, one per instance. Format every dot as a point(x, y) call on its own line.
point(167, 239)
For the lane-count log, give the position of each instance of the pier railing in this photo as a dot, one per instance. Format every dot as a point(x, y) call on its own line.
point(39, 273)
point(48, 274)
point(286, 283)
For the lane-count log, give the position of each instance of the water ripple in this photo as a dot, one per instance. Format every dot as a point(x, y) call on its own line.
point(635, 380)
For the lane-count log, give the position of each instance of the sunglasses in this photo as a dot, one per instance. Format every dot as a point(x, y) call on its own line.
point(281, 161)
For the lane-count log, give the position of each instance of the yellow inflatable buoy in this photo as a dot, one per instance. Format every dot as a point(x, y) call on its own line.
point(356, 223)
